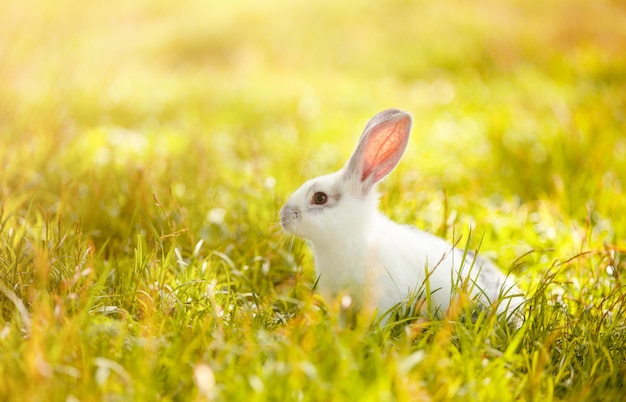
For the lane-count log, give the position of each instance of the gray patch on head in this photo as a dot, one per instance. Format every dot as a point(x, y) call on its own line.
point(336, 194)
point(315, 210)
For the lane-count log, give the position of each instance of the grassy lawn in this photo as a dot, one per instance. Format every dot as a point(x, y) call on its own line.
point(146, 148)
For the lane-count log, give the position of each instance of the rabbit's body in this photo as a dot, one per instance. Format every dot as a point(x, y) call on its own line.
point(383, 267)
point(376, 261)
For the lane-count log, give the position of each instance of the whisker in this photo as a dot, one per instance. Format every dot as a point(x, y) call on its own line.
point(275, 227)
point(292, 239)
point(287, 255)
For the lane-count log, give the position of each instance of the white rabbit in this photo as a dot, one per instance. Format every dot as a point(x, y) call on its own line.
point(378, 262)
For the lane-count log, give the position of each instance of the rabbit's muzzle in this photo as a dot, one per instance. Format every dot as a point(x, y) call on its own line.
point(288, 215)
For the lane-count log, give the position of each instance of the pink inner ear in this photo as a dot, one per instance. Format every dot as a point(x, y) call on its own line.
point(384, 148)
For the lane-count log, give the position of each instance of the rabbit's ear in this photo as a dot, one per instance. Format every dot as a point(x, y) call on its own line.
point(380, 148)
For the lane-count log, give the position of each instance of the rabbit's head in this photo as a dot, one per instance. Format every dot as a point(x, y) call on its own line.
point(342, 204)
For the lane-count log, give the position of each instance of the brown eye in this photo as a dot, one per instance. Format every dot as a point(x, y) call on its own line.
point(320, 198)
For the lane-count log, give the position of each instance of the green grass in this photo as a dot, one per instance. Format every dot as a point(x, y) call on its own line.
point(146, 148)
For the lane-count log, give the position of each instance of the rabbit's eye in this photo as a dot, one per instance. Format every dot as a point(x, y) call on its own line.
point(320, 198)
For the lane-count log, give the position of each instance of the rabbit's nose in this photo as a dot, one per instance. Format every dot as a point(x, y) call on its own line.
point(288, 214)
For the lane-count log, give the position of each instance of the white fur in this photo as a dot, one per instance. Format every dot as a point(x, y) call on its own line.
point(378, 262)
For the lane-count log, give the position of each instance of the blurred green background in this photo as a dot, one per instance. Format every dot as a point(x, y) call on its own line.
point(221, 109)
point(147, 146)
point(526, 98)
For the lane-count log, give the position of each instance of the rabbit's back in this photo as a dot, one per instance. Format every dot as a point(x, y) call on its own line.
point(405, 261)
